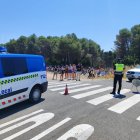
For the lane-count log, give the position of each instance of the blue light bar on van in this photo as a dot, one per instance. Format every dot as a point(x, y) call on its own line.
point(3, 49)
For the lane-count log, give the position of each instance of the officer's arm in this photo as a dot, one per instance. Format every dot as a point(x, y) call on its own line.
point(123, 69)
point(114, 67)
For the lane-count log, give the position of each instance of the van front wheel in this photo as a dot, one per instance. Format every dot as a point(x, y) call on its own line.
point(35, 95)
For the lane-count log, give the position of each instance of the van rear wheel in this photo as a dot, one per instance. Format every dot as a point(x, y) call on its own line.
point(35, 95)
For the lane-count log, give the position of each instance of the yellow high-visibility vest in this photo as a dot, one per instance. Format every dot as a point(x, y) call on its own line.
point(119, 67)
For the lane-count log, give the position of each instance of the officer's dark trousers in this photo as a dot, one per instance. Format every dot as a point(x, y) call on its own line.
point(117, 78)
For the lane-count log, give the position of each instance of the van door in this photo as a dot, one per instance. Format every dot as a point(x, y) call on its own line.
point(1, 75)
point(14, 70)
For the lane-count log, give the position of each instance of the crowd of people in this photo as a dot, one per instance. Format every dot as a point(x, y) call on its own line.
point(74, 72)
point(69, 72)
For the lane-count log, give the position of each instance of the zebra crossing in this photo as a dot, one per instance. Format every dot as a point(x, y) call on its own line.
point(37, 118)
point(126, 104)
point(48, 122)
point(104, 98)
point(73, 86)
point(82, 90)
point(86, 94)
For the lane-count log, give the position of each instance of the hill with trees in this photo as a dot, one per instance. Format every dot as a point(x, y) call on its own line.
point(69, 49)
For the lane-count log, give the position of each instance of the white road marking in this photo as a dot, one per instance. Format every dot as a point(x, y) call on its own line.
point(138, 118)
point(39, 119)
point(86, 94)
point(69, 86)
point(126, 104)
point(80, 132)
point(104, 98)
point(51, 84)
point(44, 133)
point(61, 85)
point(81, 89)
point(18, 119)
point(59, 82)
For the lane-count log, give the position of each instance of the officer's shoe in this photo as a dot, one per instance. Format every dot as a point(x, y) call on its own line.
point(118, 93)
point(112, 93)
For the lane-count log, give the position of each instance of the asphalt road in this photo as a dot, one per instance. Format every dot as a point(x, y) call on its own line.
point(88, 112)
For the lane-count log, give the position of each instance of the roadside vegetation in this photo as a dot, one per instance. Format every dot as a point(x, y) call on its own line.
point(70, 49)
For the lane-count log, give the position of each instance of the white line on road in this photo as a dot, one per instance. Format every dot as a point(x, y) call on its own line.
point(62, 85)
point(86, 94)
point(81, 89)
point(69, 86)
point(79, 132)
point(59, 82)
point(104, 98)
point(44, 133)
point(18, 119)
point(39, 119)
point(126, 104)
point(138, 118)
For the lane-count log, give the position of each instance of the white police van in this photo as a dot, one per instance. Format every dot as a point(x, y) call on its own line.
point(22, 77)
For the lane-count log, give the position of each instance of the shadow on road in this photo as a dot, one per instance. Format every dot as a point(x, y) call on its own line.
point(17, 108)
point(136, 92)
point(128, 81)
point(119, 96)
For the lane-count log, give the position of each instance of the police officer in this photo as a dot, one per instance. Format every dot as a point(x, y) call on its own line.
point(118, 74)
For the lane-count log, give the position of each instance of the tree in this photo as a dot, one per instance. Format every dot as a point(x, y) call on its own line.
point(123, 43)
point(32, 45)
point(108, 58)
point(21, 44)
point(11, 46)
point(135, 45)
point(59, 50)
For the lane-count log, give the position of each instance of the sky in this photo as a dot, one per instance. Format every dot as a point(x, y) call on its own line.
point(99, 20)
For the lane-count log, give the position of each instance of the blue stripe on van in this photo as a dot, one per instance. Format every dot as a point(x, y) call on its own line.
point(13, 93)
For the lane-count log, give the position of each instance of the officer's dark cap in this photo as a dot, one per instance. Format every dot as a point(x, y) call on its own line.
point(119, 59)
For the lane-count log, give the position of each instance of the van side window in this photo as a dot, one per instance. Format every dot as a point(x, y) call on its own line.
point(13, 66)
point(36, 64)
point(1, 71)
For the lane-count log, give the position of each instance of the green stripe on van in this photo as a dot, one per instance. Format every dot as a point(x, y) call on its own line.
point(21, 78)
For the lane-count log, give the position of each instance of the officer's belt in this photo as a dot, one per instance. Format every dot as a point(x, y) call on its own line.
point(118, 72)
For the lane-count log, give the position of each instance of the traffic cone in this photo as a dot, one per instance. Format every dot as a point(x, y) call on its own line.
point(66, 90)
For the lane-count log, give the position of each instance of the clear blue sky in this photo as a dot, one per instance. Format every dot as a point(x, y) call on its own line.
point(99, 20)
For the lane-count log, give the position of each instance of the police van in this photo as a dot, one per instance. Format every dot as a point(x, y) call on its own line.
point(22, 77)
